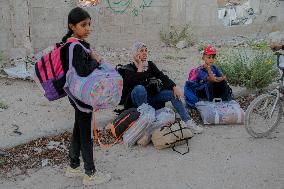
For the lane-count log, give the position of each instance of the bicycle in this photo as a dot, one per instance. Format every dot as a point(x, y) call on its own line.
point(264, 113)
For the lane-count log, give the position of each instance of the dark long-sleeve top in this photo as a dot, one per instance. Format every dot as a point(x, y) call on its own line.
point(82, 61)
point(132, 78)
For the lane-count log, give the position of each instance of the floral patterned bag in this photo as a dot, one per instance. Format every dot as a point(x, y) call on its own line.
point(101, 89)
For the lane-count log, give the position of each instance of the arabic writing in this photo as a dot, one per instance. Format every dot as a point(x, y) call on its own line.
point(122, 6)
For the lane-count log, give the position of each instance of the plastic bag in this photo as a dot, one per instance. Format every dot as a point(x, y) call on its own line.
point(164, 116)
point(228, 112)
point(134, 133)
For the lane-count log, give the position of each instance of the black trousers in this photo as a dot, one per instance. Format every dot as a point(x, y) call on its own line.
point(217, 90)
point(81, 141)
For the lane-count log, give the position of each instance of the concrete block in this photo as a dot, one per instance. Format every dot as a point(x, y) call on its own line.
point(4, 3)
point(61, 4)
point(137, 20)
point(17, 53)
point(5, 16)
point(160, 3)
point(5, 41)
point(106, 20)
point(149, 19)
point(111, 29)
point(131, 30)
point(48, 30)
point(123, 20)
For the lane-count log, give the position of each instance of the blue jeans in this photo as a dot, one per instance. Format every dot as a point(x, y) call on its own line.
point(139, 96)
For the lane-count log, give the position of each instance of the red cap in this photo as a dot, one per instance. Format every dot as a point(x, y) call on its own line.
point(208, 50)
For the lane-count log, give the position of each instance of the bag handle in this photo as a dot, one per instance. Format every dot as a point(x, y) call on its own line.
point(96, 136)
point(174, 148)
point(71, 48)
point(217, 100)
point(174, 144)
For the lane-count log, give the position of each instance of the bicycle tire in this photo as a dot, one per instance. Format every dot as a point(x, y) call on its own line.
point(255, 111)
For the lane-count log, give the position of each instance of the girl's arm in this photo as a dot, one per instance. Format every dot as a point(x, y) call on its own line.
point(81, 62)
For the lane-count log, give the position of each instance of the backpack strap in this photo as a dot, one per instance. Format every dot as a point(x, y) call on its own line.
point(96, 136)
point(66, 89)
point(71, 49)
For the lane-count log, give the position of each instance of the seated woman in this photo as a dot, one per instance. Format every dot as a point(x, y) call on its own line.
point(206, 81)
point(136, 88)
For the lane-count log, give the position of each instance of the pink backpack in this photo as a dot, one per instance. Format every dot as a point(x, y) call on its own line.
point(50, 74)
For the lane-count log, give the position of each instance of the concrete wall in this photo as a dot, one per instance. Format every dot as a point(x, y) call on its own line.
point(32, 25)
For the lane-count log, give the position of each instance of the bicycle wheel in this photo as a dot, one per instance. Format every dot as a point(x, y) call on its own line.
point(260, 118)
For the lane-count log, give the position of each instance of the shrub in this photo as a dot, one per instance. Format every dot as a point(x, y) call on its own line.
point(174, 35)
point(247, 67)
point(258, 45)
point(3, 105)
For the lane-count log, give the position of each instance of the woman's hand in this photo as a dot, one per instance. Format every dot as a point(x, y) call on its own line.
point(138, 63)
point(96, 56)
point(177, 92)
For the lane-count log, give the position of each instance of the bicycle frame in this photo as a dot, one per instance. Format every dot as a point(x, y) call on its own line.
point(280, 86)
point(276, 101)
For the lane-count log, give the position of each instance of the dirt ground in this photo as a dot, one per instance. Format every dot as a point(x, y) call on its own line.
point(223, 157)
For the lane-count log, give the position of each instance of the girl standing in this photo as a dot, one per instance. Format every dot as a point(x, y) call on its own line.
point(79, 28)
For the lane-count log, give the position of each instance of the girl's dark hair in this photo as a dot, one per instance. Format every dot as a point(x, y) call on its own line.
point(75, 16)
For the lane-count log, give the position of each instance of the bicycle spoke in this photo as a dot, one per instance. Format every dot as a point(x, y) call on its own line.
point(263, 115)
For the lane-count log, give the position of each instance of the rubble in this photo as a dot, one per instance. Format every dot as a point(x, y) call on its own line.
point(35, 154)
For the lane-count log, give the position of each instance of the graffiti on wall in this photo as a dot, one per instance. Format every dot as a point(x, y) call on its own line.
point(122, 6)
point(119, 6)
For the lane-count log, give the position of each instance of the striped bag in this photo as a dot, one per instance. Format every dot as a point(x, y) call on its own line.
point(49, 73)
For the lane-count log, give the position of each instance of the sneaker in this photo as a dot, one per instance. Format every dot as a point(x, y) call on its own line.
point(96, 178)
point(70, 172)
point(194, 128)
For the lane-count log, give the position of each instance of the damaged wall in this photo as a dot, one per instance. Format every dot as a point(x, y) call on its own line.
point(32, 25)
point(203, 16)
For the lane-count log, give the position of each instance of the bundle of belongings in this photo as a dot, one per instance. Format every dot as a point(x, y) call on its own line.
point(144, 124)
point(220, 112)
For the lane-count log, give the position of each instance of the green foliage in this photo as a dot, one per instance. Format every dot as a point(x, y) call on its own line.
point(247, 67)
point(258, 45)
point(3, 105)
point(201, 46)
point(174, 35)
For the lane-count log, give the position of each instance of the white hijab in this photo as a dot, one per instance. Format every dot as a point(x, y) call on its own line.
point(135, 48)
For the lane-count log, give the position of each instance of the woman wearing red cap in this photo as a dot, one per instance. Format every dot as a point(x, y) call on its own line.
point(206, 81)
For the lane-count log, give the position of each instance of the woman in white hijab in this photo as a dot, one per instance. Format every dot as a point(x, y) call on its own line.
point(143, 82)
